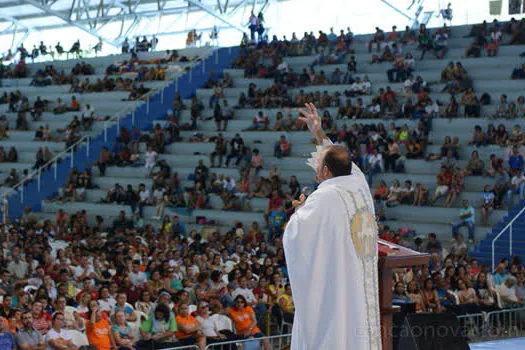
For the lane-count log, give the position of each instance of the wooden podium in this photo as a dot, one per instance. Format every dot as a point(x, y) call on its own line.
point(392, 256)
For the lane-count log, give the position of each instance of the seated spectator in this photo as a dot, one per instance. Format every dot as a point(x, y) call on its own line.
point(477, 45)
point(430, 296)
point(466, 218)
point(502, 109)
point(98, 328)
point(260, 122)
point(28, 337)
point(420, 195)
point(12, 179)
point(414, 149)
point(456, 186)
point(285, 302)
point(471, 103)
point(158, 329)
point(517, 186)
point(516, 161)
point(416, 296)
point(475, 166)
point(41, 319)
point(394, 194)
point(507, 292)
point(518, 73)
point(452, 109)
point(236, 150)
point(378, 39)
point(374, 165)
point(467, 297)
point(282, 147)
point(244, 320)
point(492, 47)
point(58, 337)
point(443, 184)
point(501, 186)
point(189, 328)
point(459, 247)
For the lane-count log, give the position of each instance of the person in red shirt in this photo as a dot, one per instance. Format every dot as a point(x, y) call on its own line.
point(282, 147)
point(75, 105)
point(87, 288)
point(41, 319)
point(443, 184)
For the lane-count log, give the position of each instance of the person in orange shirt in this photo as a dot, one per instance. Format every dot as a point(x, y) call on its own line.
point(189, 332)
point(98, 329)
point(244, 320)
point(75, 105)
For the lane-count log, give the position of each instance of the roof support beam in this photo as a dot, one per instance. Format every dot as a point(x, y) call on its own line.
point(213, 13)
point(68, 20)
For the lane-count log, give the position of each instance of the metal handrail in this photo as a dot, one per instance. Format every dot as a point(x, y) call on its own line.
point(508, 226)
point(211, 346)
point(56, 158)
point(115, 118)
point(38, 171)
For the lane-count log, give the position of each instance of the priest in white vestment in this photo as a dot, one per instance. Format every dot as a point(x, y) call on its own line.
point(330, 245)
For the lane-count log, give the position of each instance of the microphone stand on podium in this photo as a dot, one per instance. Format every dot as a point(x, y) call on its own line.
point(392, 256)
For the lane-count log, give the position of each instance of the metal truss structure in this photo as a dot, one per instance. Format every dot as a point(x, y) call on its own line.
point(20, 18)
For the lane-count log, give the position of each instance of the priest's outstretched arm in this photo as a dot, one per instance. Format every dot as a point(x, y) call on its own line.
point(313, 122)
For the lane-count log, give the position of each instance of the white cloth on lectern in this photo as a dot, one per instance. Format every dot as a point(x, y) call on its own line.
point(331, 252)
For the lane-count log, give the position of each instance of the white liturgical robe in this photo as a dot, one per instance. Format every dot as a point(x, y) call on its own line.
point(331, 252)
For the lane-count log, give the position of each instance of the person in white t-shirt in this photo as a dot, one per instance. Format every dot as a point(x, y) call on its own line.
point(407, 85)
point(507, 292)
point(283, 68)
point(365, 86)
point(150, 158)
point(432, 109)
point(208, 326)
point(517, 186)
point(143, 198)
point(137, 277)
point(375, 165)
point(85, 269)
point(246, 292)
point(58, 337)
point(106, 302)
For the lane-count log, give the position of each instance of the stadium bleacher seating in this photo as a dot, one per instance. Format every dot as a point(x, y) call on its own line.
point(181, 156)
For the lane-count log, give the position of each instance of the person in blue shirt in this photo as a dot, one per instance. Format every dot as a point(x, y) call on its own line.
point(466, 218)
point(500, 275)
point(178, 226)
point(277, 219)
point(7, 341)
point(516, 159)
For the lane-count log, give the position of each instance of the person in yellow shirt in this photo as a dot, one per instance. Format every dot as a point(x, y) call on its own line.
point(276, 288)
point(285, 302)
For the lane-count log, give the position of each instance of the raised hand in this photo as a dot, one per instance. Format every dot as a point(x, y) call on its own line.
point(311, 118)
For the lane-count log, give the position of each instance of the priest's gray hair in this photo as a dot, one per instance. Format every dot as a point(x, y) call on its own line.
point(338, 160)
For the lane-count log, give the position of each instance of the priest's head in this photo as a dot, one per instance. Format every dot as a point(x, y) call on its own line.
point(334, 161)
